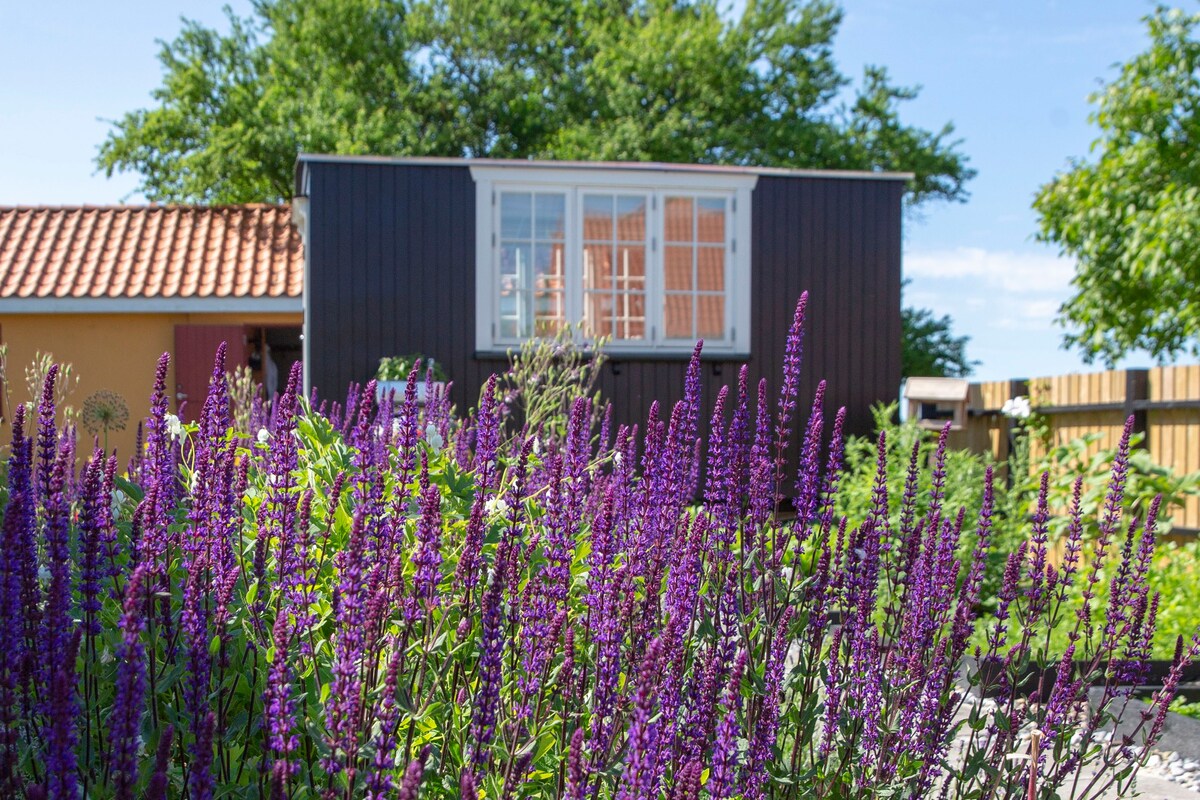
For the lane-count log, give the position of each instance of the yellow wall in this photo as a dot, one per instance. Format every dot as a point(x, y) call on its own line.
point(107, 351)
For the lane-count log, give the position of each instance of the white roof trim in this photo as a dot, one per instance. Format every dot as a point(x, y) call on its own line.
point(937, 389)
point(622, 166)
point(623, 178)
point(150, 305)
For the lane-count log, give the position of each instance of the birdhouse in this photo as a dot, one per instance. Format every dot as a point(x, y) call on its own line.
point(934, 401)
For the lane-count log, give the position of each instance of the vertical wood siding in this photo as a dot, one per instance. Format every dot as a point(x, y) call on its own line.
point(392, 263)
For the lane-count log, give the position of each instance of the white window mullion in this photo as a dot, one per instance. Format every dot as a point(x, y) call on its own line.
point(573, 246)
point(654, 278)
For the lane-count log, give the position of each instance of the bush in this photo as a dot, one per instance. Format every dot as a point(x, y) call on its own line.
point(366, 607)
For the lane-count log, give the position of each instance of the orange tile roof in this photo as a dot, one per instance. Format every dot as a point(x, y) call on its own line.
point(88, 252)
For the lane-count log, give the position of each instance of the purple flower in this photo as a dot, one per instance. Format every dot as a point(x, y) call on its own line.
point(687, 782)
point(766, 727)
point(128, 697)
point(343, 706)
point(279, 713)
point(156, 789)
point(410, 785)
point(487, 696)
point(576, 768)
point(639, 780)
point(428, 557)
point(793, 350)
point(93, 524)
point(726, 762)
point(62, 764)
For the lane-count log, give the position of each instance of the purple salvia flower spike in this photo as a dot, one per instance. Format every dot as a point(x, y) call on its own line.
point(793, 351)
point(157, 787)
point(129, 691)
point(576, 784)
point(639, 780)
point(726, 769)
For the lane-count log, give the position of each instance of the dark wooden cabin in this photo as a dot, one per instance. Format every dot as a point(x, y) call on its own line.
point(461, 259)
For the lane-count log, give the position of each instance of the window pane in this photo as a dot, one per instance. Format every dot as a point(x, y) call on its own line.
point(598, 313)
point(550, 220)
point(597, 266)
point(597, 217)
point(710, 219)
point(631, 218)
point(678, 268)
point(631, 268)
point(677, 221)
point(548, 266)
point(678, 322)
point(549, 313)
point(514, 261)
point(710, 269)
point(631, 316)
point(710, 316)
point(515, 215)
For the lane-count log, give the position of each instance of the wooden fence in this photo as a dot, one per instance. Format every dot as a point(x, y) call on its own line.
point(1164, 401)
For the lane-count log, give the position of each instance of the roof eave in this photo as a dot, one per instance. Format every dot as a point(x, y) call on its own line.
point(638, 166)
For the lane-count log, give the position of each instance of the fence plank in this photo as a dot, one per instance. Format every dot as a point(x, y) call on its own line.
point(1172, 434)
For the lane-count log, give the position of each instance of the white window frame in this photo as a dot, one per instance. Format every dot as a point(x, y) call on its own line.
point(574, 182)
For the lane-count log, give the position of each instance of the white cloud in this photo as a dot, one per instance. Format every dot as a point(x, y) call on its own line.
point(1019, 273)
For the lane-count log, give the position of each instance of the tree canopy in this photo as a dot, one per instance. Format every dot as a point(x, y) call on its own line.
point(658, 80)
point(1131, 217)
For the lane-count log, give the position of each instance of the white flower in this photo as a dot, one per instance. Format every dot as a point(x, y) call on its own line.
point(264, 436)
point(118, 500)
point(174, 426)
point(433, 437)
point(537, 446)
point(496, 505)
point(1017, 408)
point(617, 456)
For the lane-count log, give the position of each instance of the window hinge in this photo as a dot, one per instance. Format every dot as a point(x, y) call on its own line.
point(653, 202)
point(653, 244)
point(733, 334)
point(734, 245)
point(735, 205)
point(493, 331)
point(493, 197)
point(493, 238)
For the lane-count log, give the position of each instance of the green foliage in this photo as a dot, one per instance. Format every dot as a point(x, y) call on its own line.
point(1131, 218)
point(659, 81)
point(397, 368)
point(1180, 705)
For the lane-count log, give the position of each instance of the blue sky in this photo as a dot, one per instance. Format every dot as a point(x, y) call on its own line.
point(1012, 77)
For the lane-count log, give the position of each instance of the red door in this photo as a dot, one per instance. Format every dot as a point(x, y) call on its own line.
point(195, 349)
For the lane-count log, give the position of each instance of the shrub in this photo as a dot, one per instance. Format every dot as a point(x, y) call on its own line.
point(344, 607)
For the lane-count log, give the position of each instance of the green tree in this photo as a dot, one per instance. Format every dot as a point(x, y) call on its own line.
point(1131, 217)
point(591, 79)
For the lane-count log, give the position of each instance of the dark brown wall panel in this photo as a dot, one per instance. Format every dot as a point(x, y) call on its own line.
point(392, 262)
